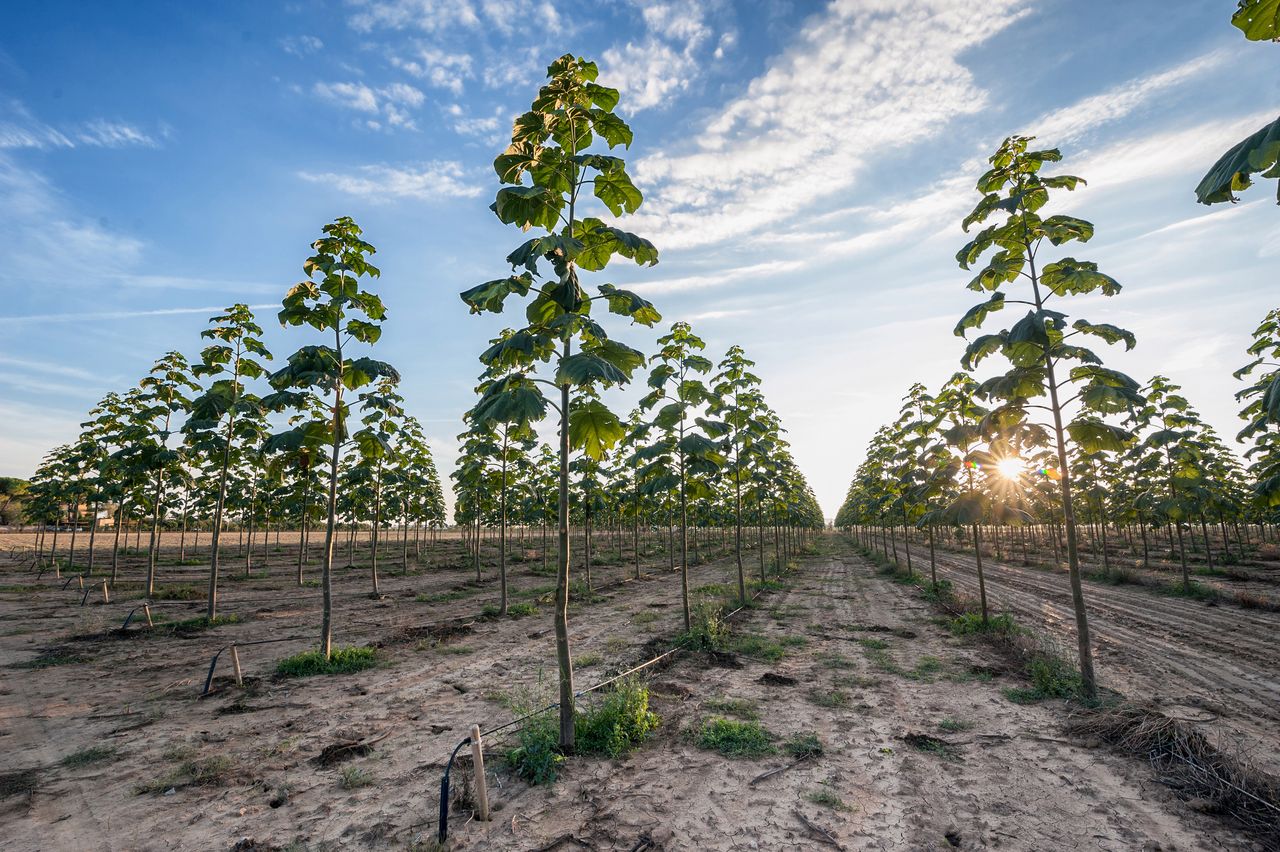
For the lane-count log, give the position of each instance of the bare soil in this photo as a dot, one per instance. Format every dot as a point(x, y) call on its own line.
point(921, 749)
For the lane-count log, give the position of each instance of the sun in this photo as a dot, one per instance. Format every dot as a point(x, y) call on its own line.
point(1011, 467)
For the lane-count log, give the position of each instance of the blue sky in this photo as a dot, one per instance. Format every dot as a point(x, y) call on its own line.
point(805, 166)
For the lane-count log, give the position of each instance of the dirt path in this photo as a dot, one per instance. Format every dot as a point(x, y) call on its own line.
point(1007, 778)
point(1217, 666)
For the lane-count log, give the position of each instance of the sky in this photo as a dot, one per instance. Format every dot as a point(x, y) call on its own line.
point(805, 166)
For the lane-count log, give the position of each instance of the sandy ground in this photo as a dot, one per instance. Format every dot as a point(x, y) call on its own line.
point(1212, 664)
point(1009, 778)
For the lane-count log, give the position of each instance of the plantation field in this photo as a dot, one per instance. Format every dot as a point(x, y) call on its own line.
point(107, 738)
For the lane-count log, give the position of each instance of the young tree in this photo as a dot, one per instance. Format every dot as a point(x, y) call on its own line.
point(325, 373)
point(1040, 345)
point(225, 412)
point(550, 146)
point(676, 384)
point(736, 399)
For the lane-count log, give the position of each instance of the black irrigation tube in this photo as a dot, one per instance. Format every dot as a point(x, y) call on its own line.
point(443, 830)
point(208, 681)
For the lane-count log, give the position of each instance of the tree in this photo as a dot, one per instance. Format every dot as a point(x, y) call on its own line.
point(550, 146)
point(1040, 345)
point(737, 401)
point(225, 412)
point(145, 441)
point(1259, 153)
point(676, 384)
point(325, 373)
point(1262, 409)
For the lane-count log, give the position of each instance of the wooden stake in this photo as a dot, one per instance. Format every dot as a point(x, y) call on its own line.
point(80, 580)
point(477, 761)
point(57, 571)
point(235, 663)
point(146, 610)
point(106, 597)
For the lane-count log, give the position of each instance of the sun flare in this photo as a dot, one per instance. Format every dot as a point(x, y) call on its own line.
point(1011, 467)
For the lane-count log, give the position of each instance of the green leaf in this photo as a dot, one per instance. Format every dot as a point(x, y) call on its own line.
point(582, 369)
point(490, 295)
point(1109, 333)
point(1003, 268)
point(1061, 229)
point(617, 192)
point(512, 399)
point(528, 206)
point(1259, 20)
point(1093, 436)
point(977, 315)
point(628, 304)
point(1077, 276)
point(1259, 153)
point(594, 429)
point(600, 242)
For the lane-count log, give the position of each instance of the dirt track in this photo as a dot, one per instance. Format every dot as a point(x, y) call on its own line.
point(1216, 665)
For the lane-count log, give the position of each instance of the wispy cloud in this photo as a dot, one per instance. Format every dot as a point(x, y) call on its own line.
point(431, 181)
point(301, 45)
point(1066, 125)
point(120, 315)
point(651, 70)
point(718, 279)
point(24, 130)
point(848, 88)
point(387, 105)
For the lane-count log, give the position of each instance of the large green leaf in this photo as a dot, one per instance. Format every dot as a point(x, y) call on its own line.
point(1077, 276)
point(593, 428)
point(1093, 436)
point(584, 368)
point(1259, 20)
point(977, 315)
point(1259, 153)
point(628, 304)
point(490, 295)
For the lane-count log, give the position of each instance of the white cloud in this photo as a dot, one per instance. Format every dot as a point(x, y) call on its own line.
point(301, 45)
point(24, 130)
point(717, 279)
point(429, 182)
point(441, 69)
point(650, 71)
point(390, 103)
point(1064, 125)
point(848, 88)
point(119, 315)
point(114, 134)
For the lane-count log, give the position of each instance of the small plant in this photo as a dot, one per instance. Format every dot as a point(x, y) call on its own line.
point(827, 798)
point(1194, 590)
point(708, 630)
point(354, 777)
point(587, 660)
point(735, 739)
point(742, 708)
point(537, 758)
point(803, 745)
point(203, 772)
point(91, 755)
point(873, 644)
point(50, 659)
point(831, 699)
point(341, 661)
point(442, 597)
point(954, 726)
point(620, 723)
point(833, 660)
point(520, 610)
point(971, 623)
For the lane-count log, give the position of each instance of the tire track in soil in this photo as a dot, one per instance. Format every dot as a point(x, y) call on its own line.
point(1014, 784)
point(1192, 659)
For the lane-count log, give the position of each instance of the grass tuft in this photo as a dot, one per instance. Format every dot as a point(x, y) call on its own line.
point(91, 755)
point(341, 661)
point(735, 739)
